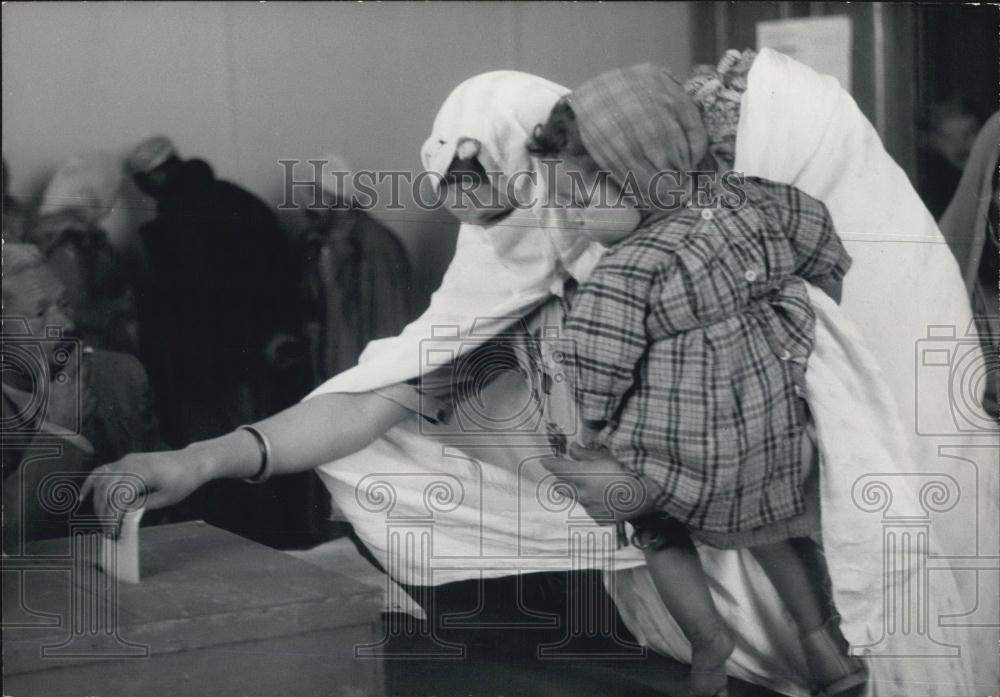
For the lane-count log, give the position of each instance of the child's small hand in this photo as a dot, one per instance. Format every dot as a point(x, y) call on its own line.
point(589, 431)
point(603, 486)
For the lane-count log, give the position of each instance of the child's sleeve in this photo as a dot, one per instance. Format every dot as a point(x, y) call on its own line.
point(607, 326)
point(821, 257)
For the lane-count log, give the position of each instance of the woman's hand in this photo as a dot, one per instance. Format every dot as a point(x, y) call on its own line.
point(152, 480)
point(302, 437)
point(604, 487)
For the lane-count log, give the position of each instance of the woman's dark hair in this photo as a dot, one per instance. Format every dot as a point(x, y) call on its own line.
point(559, 135)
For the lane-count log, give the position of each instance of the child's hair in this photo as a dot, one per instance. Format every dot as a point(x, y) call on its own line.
point(560, 136)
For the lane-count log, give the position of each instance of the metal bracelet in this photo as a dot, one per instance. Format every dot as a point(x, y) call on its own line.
point(264, 473)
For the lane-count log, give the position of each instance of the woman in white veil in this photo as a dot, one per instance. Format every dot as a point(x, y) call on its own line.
point(371, 431)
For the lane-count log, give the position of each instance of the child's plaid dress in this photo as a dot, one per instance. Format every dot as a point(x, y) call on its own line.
point(692, 337)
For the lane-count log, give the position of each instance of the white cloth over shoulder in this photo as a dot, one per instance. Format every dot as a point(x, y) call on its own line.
point(903, 480)
point(481, 506)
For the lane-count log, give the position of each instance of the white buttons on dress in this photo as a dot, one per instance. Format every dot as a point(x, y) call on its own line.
point(750, 275)
point(786, 355)
point(706, 214)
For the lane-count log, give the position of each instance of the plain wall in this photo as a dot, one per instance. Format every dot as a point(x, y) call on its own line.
point(246, 84)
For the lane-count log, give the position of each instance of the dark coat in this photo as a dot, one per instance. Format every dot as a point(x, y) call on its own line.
point(220, 284)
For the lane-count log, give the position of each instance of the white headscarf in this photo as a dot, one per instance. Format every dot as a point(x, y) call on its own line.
point(88, 183)
point(498, 274)
point(499, 110)
point(93, 185)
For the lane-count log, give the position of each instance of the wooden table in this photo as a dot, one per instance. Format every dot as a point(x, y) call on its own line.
point(215, 614)
point(219, 615)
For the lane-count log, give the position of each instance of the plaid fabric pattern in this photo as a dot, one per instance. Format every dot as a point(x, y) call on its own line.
point(691, 341)
point(639, 121)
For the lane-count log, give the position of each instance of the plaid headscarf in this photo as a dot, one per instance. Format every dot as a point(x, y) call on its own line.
point(639, 120)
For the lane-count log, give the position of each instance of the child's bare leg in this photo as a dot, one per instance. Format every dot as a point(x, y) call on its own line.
point(789, 574)
point(801, 588)
point(680, 580)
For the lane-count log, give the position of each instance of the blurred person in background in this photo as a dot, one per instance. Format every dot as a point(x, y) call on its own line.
point(100, 294)
point(93, 184)
point(356, 286)
point(94, 404)
point(356, 278)
point(217, 311)
point(948, 131)
point(88, 183)
point(219, 320)
point(971, 225)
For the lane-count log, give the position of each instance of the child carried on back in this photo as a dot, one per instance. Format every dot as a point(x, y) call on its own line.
point(692, 337)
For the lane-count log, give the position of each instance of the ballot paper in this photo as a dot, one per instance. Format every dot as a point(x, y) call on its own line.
point(120, 555)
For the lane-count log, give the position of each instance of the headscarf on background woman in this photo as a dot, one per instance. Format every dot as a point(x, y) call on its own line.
point(502, 276)
point(90, 184)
